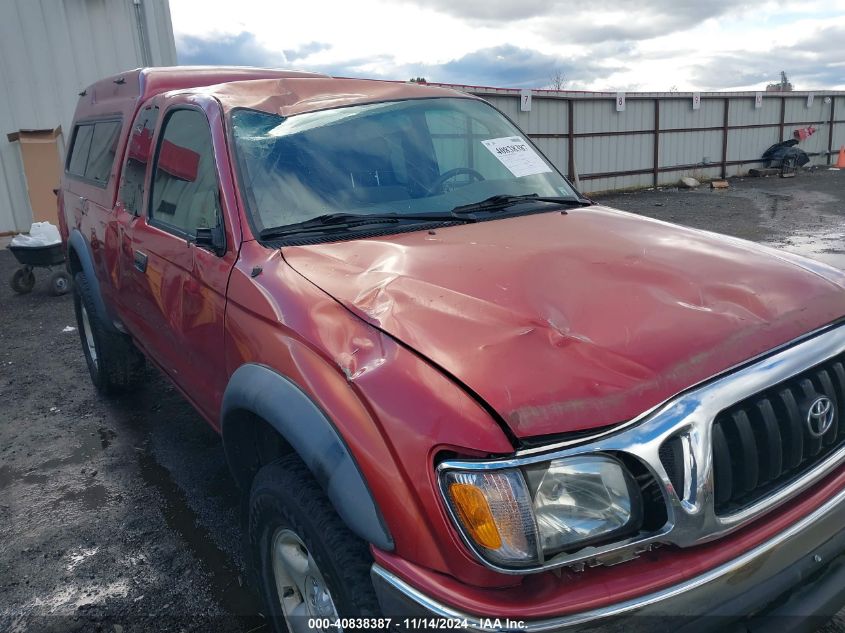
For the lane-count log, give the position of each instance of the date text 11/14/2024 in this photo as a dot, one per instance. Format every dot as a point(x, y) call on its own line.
point(415, 624)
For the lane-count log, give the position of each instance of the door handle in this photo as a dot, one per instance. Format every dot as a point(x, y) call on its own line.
point(141, 261)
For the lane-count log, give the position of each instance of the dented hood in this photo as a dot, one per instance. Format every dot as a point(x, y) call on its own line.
point(570, 322)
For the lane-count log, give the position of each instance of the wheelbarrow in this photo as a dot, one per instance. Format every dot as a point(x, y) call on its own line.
point(31, 257)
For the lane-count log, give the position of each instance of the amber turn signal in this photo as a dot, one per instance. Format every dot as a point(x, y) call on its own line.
point(474, 513)
point(492, 510)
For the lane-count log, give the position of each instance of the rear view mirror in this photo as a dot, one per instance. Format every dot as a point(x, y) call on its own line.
point(212, 239)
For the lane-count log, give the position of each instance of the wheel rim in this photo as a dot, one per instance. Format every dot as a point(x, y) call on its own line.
point(60, 284)
point(89, 336)
point(302, 590)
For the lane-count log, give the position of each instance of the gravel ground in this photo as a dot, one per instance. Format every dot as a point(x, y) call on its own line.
point(120, 515)
point(805, 214)
point(114, 515)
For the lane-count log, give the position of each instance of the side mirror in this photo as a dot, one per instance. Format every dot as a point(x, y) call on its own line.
point(212, 239)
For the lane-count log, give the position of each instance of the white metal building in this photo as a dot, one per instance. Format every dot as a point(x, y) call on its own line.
point(50, 50)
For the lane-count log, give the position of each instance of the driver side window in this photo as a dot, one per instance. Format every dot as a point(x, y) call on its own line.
point(185, 191)
point(457, 144)
point(137, 158)
point(451, 138)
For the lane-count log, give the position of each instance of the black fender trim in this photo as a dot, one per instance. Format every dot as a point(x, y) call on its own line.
point(78, 244)
point(282, 404)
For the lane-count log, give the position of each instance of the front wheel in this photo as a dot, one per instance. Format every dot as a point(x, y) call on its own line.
point(311, 568)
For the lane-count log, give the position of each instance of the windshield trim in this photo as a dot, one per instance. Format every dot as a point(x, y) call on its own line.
point(249, 207)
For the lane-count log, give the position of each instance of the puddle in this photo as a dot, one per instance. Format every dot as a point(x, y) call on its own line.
point(90, 498)
point(224, 574)
point(827, 248)
point(9, 475)
point(775, 202)
point(789, 209)
point(34, 477)
point(89, 445)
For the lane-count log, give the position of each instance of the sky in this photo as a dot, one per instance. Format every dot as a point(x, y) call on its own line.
point(648, 45)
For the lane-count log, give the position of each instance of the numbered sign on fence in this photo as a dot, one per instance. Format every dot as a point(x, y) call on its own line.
point(525, 100)
point(758, 100)
point(696, 101)
point(620, 102)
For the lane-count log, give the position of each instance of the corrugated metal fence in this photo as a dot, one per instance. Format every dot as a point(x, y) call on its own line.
point(659, 137)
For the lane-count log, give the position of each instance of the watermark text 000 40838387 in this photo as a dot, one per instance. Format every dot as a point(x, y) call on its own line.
point(409, 624)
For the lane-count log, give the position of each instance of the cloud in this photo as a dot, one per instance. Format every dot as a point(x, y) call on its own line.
point(730, 56)
point(504, 65)
point(240, 49)
point(491, 10)
point(214, 49)
point(807, 64)
point(513, 67)
point(305, 50)
point(601, 21)
point(244, 49)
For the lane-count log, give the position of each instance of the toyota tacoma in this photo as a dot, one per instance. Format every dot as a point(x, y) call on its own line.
point(454, 391)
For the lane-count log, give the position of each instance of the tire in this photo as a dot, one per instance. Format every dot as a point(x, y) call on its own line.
point(287, 502)
point(22, 281)
point(113, 361)
point(59, 283)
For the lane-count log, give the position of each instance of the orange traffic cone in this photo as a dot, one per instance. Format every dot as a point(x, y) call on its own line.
point(841, 162)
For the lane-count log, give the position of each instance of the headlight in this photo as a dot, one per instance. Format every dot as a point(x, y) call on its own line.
point(520, 517)
point(580, 500)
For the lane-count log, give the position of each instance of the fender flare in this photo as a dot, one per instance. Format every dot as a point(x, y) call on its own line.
point(78, 244)
point(291, 412)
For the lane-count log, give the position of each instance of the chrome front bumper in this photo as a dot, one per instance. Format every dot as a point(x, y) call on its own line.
point(792, 582)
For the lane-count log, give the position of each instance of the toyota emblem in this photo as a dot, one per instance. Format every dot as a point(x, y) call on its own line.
point(820, 416)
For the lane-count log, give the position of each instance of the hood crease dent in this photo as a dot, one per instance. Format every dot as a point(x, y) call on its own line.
point(572, 322)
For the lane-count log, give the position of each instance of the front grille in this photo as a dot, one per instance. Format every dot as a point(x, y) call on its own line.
point(672, 457)
point(763, 442)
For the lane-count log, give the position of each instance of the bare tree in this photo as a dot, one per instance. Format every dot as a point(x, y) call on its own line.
point(673, 89)
point(557, 81)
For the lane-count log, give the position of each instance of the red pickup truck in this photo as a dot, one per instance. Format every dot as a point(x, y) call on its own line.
point(455, 392)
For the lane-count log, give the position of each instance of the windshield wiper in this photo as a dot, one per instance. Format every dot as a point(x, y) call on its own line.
point(463, 213)
point(332, 221)
point(500, 202)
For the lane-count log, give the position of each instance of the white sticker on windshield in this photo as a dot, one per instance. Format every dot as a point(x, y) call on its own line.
point(517, 155)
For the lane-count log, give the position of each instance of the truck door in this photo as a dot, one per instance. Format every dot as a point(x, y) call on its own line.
point(175, 288)
point(129, 207)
